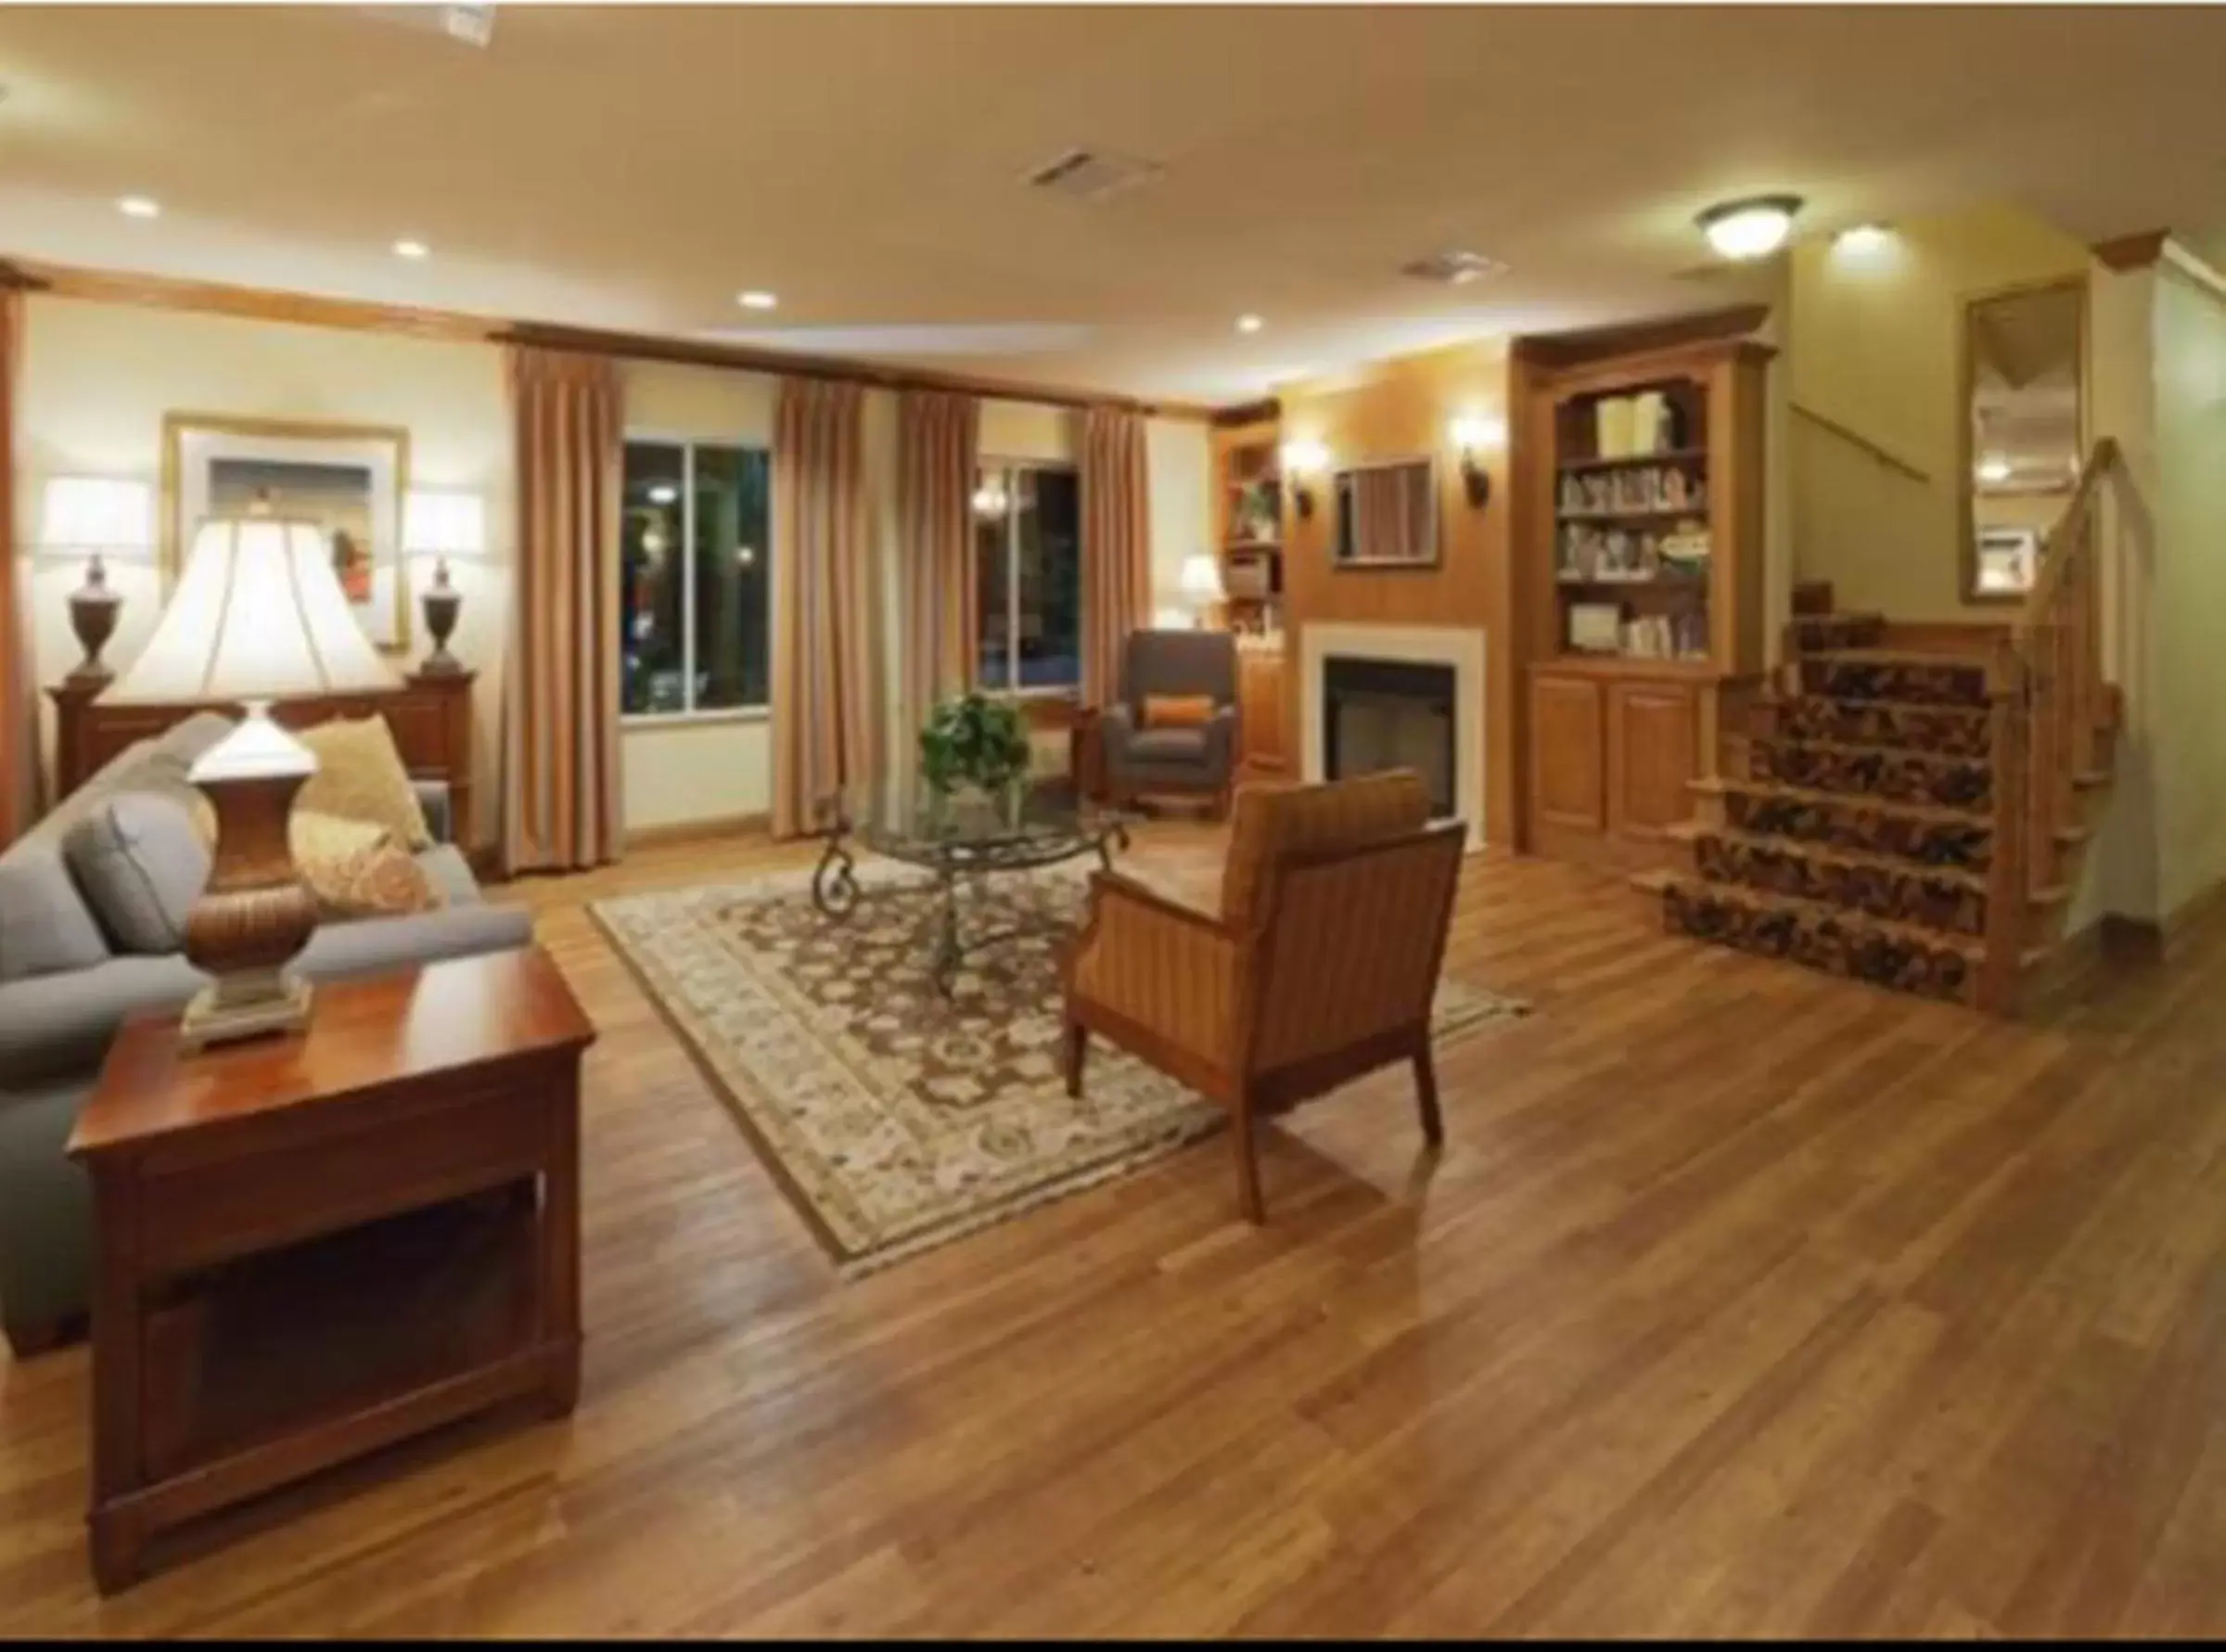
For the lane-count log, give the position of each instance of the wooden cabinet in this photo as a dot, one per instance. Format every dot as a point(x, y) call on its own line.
point(1262, 710)
point(1612, 763)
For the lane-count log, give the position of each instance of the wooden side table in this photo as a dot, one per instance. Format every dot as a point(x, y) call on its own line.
point(309, 1248)
point(1086, 756)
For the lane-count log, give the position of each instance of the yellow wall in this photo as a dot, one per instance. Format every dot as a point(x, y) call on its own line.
point(1873, 346)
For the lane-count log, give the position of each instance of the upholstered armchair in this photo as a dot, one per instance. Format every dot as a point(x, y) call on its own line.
point(1320, 966)
point(1199, 759)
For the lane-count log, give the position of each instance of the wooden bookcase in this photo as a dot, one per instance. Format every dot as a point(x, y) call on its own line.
point(1249, 538)
point(1644, 574)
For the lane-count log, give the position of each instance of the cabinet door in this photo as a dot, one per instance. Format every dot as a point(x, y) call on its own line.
point(1260, 707)
point(1653, 745)
point(1566, 754)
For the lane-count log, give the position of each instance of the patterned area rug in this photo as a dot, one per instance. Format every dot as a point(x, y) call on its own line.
point(895, 1119)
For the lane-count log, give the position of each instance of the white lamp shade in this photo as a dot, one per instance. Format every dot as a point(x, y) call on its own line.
point(1201, 577)
point(96, 513)
point(443, 524)
point(259, 614)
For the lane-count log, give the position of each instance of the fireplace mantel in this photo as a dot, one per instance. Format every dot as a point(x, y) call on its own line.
point(1459, 647)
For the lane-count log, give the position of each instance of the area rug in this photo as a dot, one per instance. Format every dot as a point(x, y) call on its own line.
point(895, 1119)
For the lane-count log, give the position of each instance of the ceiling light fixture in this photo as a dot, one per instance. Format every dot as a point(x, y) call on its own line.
point(1993, 469)
point(139, 206)
point(755, 300)
point(406, 248)
point(1861, 237)
point(663, 493)
point(1751, 228)
point(1250, 324)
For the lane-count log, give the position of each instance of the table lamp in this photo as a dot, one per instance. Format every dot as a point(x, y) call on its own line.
point(257, 614)
point(442, 525)
point(94, 516)
point(1200, 582)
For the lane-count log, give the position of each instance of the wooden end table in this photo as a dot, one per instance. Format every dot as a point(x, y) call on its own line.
point(308, 1247)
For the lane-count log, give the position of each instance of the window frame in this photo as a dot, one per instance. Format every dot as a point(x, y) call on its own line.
point(695, 716)
point(1005, 470)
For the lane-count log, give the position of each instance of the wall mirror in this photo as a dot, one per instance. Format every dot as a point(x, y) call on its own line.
point(2023, 422)
point(1387, 515)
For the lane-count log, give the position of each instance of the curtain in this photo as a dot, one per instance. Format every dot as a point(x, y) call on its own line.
point(560, 724)
point(19, 701)
point(938, 436)
point(827, 700)
point(1117, 569)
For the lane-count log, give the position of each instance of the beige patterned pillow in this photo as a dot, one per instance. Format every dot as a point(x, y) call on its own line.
point(360, 776)
point(355, 869)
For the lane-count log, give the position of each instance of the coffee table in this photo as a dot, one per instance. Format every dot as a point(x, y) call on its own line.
point(957, 839)
point(307, 1247)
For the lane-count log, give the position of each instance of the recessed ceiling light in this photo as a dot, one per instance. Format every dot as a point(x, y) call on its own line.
point(1250, 324)
point(409, 248)
point(139, 206)
point(1993, 469)
point(1862, 237)
point(1752, 228)
point(754, 300)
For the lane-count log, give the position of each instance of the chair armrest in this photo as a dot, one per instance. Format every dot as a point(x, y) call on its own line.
point(1221, 739)
point(1159, 966)
point(1115, 728)
point(439, 812)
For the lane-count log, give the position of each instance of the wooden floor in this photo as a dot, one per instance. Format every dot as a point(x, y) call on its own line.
point(1741, 1300)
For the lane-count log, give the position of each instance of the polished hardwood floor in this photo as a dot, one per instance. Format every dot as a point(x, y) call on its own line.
point(1741, 1300)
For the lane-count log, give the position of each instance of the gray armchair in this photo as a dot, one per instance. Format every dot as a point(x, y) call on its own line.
point(1190, 761)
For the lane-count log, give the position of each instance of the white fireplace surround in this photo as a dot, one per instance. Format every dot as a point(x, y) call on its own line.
point(1460, 647)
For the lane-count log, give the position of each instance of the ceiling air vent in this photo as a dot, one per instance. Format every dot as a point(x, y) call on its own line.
point(1094, 175)
point(1453, 269)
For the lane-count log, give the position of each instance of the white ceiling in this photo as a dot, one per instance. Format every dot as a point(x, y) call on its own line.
point(633, 168)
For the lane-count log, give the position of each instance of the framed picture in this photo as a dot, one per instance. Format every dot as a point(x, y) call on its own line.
point(347, 479)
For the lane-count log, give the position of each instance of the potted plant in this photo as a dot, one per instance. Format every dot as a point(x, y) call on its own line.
point(974, 740)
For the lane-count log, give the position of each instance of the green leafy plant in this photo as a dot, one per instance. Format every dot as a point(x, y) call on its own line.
point(974, 740)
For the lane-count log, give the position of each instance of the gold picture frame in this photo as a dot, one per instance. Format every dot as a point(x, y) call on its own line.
point(349, 478)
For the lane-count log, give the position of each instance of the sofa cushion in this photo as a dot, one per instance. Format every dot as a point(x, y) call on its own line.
point(1169, 745)
point(361, 776)
point(141, 864)
point(44, 923)
point(355, 869)
point(1272, 823)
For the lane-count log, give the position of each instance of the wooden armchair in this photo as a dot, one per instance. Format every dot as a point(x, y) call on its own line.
point(1321, 967)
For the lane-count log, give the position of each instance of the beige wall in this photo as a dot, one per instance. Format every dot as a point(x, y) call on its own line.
point(1874, 341)
point(97, 380)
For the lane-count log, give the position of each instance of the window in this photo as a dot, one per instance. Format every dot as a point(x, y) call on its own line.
point(694, 568)
point(1028, 577)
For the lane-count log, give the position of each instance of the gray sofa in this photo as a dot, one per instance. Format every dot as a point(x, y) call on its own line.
point(68, 980)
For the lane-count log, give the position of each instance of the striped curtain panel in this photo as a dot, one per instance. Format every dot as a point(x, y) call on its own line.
point(1117, 545)
point(826, 693)
point(19, 702)
point(938, 438)
point(561, 809)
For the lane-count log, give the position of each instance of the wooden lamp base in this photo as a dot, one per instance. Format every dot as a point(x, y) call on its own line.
point(256, 915)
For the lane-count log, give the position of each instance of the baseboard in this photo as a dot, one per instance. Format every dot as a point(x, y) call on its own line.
point(2115, 942)
point(2153, 941)
point(697, 831)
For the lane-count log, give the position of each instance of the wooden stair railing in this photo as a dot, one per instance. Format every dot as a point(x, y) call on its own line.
point(2050, 704)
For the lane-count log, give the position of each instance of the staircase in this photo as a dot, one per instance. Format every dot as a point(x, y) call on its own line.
point(1906, 805)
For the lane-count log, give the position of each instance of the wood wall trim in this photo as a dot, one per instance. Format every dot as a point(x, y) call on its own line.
point(257, 304)
point(2131, 252)
point(1267, 410)
point(1640, 338)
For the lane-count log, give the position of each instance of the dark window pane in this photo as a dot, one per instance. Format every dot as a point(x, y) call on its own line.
point(733, 562)
point(650, 599)
point(1047, 570)
point(991, 584)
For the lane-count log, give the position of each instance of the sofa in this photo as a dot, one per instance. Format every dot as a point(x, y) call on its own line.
point(69, 978)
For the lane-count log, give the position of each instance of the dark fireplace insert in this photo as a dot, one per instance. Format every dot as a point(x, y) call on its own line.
point(1380, 714)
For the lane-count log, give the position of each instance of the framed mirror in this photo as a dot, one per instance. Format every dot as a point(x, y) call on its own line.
point(1387, 515)
point(2024, 416)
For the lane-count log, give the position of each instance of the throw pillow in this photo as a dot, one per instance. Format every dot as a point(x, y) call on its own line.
point(141, 865)
point(1177, 711)
point(356, 869)
point(360, 776)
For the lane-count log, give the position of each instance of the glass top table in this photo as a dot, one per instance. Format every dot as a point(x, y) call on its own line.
point(963, 835)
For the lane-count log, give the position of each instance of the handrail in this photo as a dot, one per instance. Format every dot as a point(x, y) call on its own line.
point(2060, 544)
point(1885, 455)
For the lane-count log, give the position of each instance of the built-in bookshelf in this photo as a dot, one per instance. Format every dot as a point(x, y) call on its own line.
point(1249, 519)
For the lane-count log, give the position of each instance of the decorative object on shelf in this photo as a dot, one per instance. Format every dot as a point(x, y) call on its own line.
point(1471, 434)
point(1596, 627)
point(1201, 586)
point(1611, 426)
point(442, 525)
point(1249, 578)
point(1303, 459)
point(1754, 227)
point(95, 516)
point(259, 613)
point(1258, 517)
point(974, 740)
point(347, 481)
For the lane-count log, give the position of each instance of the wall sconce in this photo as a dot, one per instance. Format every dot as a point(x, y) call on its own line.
point(1470, 435)
point(1302, 459)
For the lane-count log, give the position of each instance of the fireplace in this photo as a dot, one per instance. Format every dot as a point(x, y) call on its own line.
point(1380, 714)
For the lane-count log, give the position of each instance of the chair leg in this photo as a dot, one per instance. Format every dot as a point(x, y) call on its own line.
point(1426, 1094)
point(1077, 1052)
point(1248, 1203)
